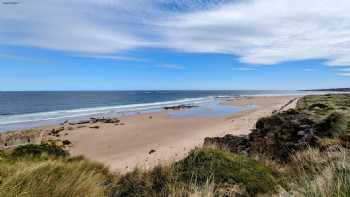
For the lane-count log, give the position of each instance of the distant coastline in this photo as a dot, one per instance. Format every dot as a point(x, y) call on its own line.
point(330, 90)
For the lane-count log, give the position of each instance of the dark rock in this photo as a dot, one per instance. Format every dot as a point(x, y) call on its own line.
point(105, 120)
point(83, 122)
point(94, 127)
point(112, 120)
point(56, 131)
point(93, 120)
point(179, 107)
point(66, 142)
point(152, 151)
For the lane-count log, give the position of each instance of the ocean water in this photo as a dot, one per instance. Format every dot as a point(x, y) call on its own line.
point(19, 110)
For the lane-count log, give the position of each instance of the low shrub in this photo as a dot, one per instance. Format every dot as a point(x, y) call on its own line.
point(332, 126)
point(158, 182)
point(224, 167)
point(34, 150)
point(135, 183)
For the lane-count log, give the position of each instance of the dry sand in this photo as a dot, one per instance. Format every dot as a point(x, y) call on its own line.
point(123, 147)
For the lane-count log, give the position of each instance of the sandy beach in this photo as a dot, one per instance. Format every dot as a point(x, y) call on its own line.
point(146, 140)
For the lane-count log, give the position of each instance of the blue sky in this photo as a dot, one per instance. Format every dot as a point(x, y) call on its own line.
point(174, 44)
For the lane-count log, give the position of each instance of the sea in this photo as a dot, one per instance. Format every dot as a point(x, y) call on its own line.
point(27, 109)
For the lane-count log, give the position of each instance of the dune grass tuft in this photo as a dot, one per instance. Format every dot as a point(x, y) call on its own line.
point(228, 168)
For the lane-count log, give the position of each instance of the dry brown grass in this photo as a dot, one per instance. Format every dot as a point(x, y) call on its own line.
point(321, 174)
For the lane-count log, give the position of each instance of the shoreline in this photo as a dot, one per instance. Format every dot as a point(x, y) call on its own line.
point(14, 122)
point(147, 139)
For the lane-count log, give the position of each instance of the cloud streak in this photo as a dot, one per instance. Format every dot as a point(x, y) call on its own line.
point(257, 31)
point(244, 69)
point(171, 66)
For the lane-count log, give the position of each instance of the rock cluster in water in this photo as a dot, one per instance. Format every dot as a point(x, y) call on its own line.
point(179, 107)
point(97, 120)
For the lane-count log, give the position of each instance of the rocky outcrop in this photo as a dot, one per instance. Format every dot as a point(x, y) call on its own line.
point(281, 134)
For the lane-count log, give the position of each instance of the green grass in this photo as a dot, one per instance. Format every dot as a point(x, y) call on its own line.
point(38, 151)
point(206, 166)
point(321, 174)
point(323, 105)
point(227, 168)
point(14, 138)
point(46, 170)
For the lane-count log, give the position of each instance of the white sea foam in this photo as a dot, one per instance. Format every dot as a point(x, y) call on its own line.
point(97, 111)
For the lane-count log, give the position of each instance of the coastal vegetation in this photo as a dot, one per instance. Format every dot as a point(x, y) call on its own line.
point(298, 152)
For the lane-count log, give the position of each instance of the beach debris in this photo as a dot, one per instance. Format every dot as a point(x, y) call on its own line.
point(152, 151)
point(94, 127)
point(150, 117)
point(179, 107)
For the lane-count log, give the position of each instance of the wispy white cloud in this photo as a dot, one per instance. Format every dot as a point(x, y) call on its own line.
point(244, 69)
point(309, 69)
point(346, 74)
point(257, 31)
point(344, 70)
point(268, 32)
point(171, 66)
point(112, 57)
